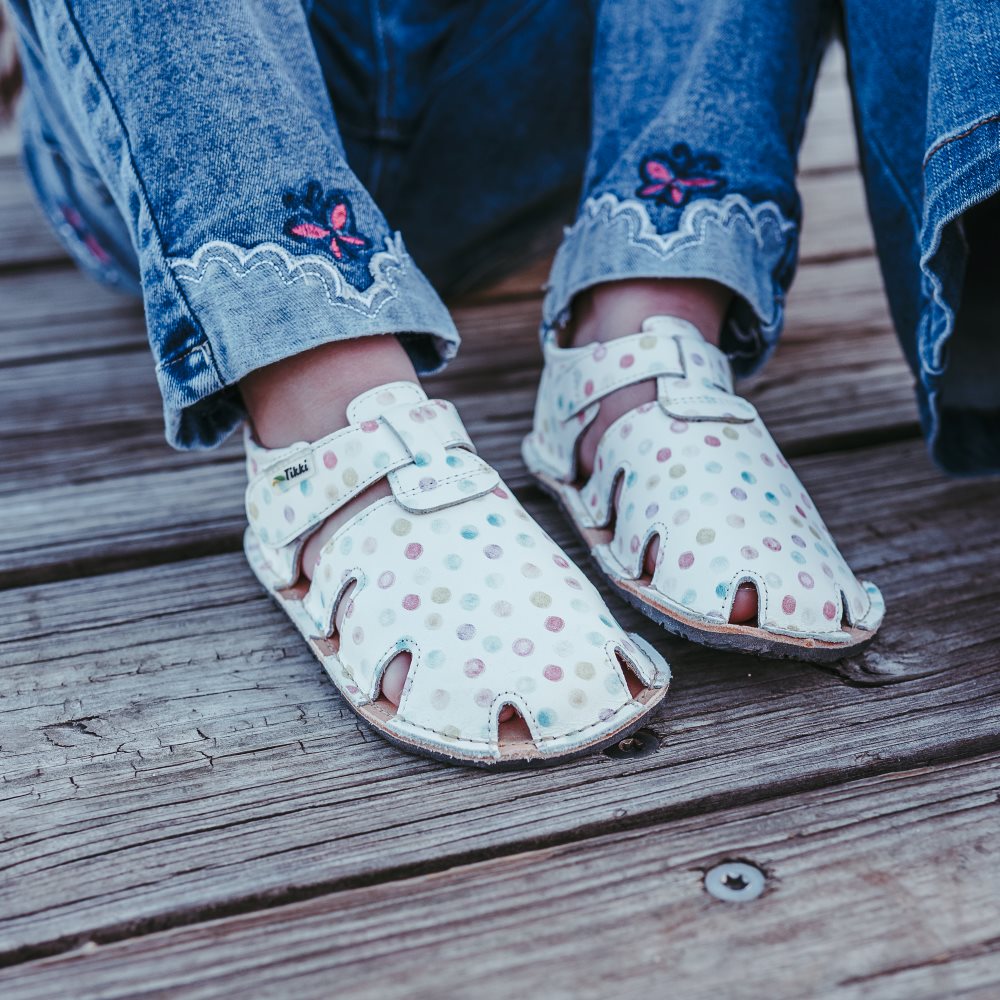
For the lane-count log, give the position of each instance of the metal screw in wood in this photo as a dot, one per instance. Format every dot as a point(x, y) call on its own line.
point(735, 882)
point(641, 743)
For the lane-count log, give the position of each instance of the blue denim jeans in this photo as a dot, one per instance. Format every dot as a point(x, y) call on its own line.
point(249, 166)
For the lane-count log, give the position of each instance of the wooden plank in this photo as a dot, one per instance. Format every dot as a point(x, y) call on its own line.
point(74, 521)
point(830, 142)
point(878, 888)
point(170, 745)
point(845, 297)
point(25, 236)
point(10, 141)
point(61, 313)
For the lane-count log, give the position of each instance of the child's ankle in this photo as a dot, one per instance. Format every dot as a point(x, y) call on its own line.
point(617, 308)
point(305, 397)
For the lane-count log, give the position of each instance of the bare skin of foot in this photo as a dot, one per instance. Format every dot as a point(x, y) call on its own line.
point(617, 309)
point(304, 398)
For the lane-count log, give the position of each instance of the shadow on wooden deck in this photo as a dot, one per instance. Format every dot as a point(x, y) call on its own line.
point(189, 810)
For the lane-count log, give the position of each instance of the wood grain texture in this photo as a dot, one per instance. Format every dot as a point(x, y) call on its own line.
point(59, 312)
point(10, 141)
point(626, 913)
point(188, 808)
point(26, 238)
point(74, 522)
point(171, 748)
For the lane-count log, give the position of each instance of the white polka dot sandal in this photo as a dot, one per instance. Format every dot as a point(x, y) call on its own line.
point(697, 469)
point(452, 569)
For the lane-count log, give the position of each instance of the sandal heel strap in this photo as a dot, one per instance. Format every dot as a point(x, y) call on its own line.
point(582, 376)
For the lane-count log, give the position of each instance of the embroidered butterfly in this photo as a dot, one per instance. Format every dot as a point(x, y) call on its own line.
point(327, 218)
point(671, 178)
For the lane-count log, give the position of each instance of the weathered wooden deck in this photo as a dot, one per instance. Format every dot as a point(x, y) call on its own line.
point(189, 810)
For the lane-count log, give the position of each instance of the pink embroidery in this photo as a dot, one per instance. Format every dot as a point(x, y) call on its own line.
point(325, 217)
point(670, 178)
point(75, 220)
point(310, 231)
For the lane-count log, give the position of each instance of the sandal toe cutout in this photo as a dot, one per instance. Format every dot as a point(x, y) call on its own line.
point(452, 569)
point(698, 470)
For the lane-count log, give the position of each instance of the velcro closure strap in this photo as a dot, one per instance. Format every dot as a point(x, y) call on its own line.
point(706, 390)
point(304, 484)
point(683, 399)
point(588, 374)
point(444, 468)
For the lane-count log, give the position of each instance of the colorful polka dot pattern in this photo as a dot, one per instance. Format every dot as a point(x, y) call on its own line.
point(724, 503)
point(296, 488)
point(492, 611)
point(574, 380)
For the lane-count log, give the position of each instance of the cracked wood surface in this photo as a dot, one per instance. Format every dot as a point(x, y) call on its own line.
point(172, 754)
point(162, 764)
point(625, 914)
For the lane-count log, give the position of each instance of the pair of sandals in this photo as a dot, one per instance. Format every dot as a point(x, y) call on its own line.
point(451, 569)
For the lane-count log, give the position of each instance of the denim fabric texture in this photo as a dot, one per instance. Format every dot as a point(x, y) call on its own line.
point(250, 167)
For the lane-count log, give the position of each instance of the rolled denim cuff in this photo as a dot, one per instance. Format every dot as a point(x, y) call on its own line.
point(963, 435)
point(748, 247)
point(263, 304)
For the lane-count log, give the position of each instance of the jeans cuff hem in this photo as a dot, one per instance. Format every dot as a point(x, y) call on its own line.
point(748, 247)
point(263, 305)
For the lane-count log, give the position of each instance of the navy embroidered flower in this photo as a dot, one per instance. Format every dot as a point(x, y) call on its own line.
point(670, 178)
point(324, 218)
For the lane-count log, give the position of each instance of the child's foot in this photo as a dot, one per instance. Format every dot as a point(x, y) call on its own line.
point(304, 398)
point(608, 312)
point(688, 506)
point(436, 604)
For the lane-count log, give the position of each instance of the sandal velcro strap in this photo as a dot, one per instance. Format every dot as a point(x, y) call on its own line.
point(705, 392)
point(306, 483)
point(443, 469)
point(588, 374)
point(394, 431)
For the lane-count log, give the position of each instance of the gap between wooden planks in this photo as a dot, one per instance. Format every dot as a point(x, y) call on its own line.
point(877, 888)
point(62, 734)
point(913, 845)
point(178, 752)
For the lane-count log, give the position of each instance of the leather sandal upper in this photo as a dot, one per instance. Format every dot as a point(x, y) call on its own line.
point(700, 471)
point(450, 568)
